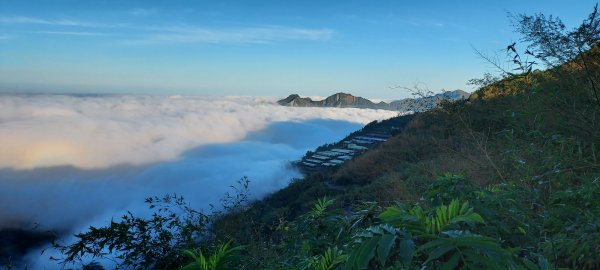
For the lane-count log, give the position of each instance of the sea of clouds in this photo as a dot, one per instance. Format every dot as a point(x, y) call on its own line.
point(67, 162)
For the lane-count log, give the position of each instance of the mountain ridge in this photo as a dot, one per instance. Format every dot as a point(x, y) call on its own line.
point(345, 100)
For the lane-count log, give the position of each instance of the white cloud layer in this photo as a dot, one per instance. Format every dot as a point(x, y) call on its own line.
point(99, 132)
point(67, 162)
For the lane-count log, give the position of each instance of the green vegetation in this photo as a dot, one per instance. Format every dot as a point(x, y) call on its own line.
point(222, 258)
point(509, 179)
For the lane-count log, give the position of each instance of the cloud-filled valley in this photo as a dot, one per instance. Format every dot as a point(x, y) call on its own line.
point(68, 161)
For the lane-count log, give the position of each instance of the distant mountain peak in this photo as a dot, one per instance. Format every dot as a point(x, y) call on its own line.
point(289, 98)
point(294, 100)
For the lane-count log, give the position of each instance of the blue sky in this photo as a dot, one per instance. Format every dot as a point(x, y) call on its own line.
point(257, 48)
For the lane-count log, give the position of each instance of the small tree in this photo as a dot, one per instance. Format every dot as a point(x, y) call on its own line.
point(154, 242)
point(551, 42)
point(142, 243)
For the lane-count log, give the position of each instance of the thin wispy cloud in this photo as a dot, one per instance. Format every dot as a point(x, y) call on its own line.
point(437, 24)
point(186, 34)
point(32, 20)
point(459, 27)
point(72, 33)
point(60, 22)
point(256, 35)
point(143, 11)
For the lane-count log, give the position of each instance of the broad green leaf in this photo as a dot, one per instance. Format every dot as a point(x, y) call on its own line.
point(452, 263)
point(431, 244)
point(469, 218)
point(407, 249)
point(530, 265)
point(361, 255)
point(439, 251)
point(384, 246)
point(543, 263)
point(391, 213)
